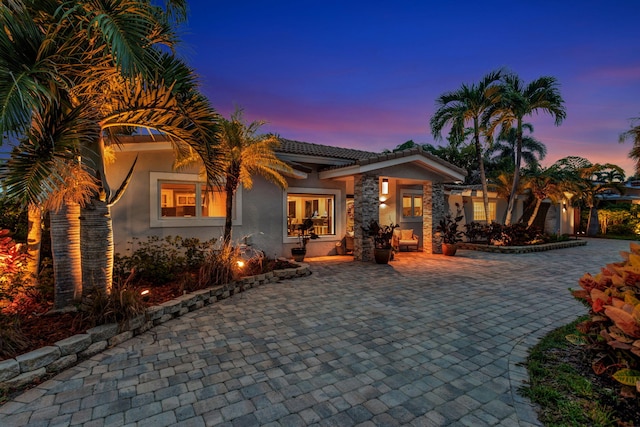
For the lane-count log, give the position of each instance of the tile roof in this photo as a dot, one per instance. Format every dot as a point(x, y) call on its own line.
point(359, 157)
point(309, 149)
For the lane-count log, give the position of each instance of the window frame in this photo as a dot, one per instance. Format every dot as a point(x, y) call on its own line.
point(156, 220)
point(492, 204)
point(413, 194)
point(338, 225)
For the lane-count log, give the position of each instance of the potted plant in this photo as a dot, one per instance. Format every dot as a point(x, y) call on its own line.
point(383, 250)
point(305, 233)
point(449, 233)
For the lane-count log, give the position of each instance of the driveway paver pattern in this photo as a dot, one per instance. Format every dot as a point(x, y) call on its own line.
point(427, 340)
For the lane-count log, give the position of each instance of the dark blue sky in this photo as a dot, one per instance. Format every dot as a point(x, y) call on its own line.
point(366, 74)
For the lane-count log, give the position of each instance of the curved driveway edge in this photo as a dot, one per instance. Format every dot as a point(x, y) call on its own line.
point(427, 340)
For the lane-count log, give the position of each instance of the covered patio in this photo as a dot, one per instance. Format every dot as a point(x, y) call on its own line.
point(404, 188)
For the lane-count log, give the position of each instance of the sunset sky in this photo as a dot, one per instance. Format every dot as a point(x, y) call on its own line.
point(366, 74)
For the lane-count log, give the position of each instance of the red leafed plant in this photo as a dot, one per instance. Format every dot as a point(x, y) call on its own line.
point(613, 327)
point(12, 262)
point(13, 259)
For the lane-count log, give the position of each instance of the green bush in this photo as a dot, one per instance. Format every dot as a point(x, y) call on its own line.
point(619, 219)
point(13, 217)
point(505, 235)
point(159, 261)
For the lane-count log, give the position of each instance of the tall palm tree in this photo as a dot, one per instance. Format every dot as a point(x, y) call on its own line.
point(518, 100)
point(246, 153)
point(464, 105)
point(503, 150)
point(105, 63)
point(634, 135)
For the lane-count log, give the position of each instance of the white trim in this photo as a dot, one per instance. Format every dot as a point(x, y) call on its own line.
point(156, 221)
point(339, 218)
point(296, 174)
point(418, 159)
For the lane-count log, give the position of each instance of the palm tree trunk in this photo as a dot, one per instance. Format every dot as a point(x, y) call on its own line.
point(65, 248)
point(593, 226)
point(535, 213)
point(516, 175)
point(228, 220)
point(34, 242)
point(96, 247)
point(483, 177)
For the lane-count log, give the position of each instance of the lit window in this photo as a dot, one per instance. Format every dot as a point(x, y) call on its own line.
point(186, 199)
point(183, 200)
point(411, 205)
point(478, 211)
point(319, 208)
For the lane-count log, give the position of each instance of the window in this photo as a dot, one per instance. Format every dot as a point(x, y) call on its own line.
point(182, 200)
point(412, 205)
point(319, 208)
point(478, 211)
point(186, 199)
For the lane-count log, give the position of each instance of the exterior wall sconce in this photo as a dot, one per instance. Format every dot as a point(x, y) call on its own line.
point(564, 207)
point(385, 186)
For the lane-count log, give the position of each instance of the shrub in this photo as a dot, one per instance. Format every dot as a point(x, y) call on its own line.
point(220, 267)
point(619, 219)
point(119, 306)
point(613, 327)
point(159, 261)
point(476, 232)
point(13, 260)
point(12, 340)
point(13, 217)
point(505, 235)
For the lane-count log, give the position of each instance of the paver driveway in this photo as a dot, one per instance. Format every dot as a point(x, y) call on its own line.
point(427, 340)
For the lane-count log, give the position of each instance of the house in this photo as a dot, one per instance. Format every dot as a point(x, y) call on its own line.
point(553, 218)
point(340, 189)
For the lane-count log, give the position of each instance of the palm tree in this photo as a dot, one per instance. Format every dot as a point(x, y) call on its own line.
point(634, 135)
point(467, 104)
point(518, 100)
point(501, 183)
point(503, 150)
point(544, 183)
point(104, 64)
point(589, 181)
point(245, 153)
point(596, 182)
point(44, 174)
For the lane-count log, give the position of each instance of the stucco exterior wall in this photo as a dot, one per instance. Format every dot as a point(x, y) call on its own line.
point(260, 223)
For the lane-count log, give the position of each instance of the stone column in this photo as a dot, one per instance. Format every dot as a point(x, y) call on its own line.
point(433, 210)
point(366, 208)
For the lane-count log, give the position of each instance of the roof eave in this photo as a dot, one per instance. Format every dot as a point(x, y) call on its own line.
point(448, 174)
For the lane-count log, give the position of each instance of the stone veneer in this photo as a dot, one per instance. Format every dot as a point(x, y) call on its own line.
point(30, 367)
point(433, 210)
point(366, 206)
